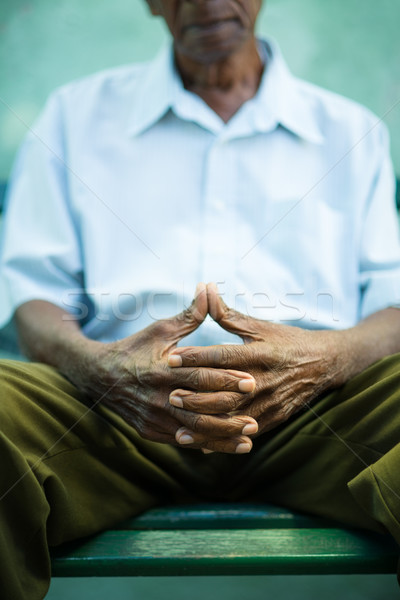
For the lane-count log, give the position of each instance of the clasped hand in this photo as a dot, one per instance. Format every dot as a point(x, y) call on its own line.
point(216, 398)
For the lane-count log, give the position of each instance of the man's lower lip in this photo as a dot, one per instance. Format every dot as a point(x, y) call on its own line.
point(207, 28)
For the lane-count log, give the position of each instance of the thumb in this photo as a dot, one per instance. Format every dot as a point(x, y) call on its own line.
point(191, 318)
point(230, 319)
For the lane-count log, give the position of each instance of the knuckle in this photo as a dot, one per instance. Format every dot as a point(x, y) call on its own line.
point(197, 422)
point(195, 316)
point(227, 402)
point(233, 401)
point(227, 381)
point(152, 375)
point(191, 401)
point(194, 379)
point(220, 356)
point(189, 357)
point(189, 316)
point(185, 317)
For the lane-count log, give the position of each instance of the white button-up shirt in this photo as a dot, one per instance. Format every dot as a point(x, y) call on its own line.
point(130, 189)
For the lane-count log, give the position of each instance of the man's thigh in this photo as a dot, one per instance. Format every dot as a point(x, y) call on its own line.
point(339, 458)
point(84, 465)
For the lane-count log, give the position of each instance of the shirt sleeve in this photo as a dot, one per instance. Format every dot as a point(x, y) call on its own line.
point(41, 257)
point(380, 244)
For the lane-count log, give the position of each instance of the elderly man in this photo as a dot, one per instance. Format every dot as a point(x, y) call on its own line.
point(212, 163)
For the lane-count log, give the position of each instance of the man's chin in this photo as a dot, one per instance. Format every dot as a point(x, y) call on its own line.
point(207, 45)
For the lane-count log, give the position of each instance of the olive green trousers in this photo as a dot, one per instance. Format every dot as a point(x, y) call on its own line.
point(69, 470)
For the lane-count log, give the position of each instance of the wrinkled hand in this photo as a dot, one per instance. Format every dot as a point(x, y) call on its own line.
point(135, 381)
point(291, 367)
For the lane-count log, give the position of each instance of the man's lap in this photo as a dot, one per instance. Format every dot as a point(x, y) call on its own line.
point(306, 464)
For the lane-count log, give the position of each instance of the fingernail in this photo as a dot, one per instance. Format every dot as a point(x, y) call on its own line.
point(205, 451)
point(250, 428)
point(176, 401)
point(243, 448)
point(174, 360)
point(185, 439)
point(246, 385)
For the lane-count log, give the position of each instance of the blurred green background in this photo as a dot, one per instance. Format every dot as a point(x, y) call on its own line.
point(350, 46)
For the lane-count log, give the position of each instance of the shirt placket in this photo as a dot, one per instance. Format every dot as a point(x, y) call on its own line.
point(218, 227)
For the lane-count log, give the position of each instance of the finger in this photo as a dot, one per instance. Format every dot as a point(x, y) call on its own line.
point(217, 308)
point(199, 307)
point(226, 356)
point(213, 380)
point(229, 319)
point(211, 403)
point(233, 445)
point(181, 325)
point(151, 423)
point(215, 426)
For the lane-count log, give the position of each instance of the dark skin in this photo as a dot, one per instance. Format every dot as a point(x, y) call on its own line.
point(215, 49)
point(132, 376)
point(291, 366)
point(215, 398)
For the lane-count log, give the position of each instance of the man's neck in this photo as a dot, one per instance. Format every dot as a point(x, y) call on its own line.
point(227, 84)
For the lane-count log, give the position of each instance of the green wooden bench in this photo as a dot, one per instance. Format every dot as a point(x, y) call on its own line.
point(226, 539)
point(236, 539)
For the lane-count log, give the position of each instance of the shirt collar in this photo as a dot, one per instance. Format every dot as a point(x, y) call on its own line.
point(154, 93)
point(280, 99)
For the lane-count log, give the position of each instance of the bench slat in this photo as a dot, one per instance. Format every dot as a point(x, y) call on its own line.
point(227, 552)
point(223, 516)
